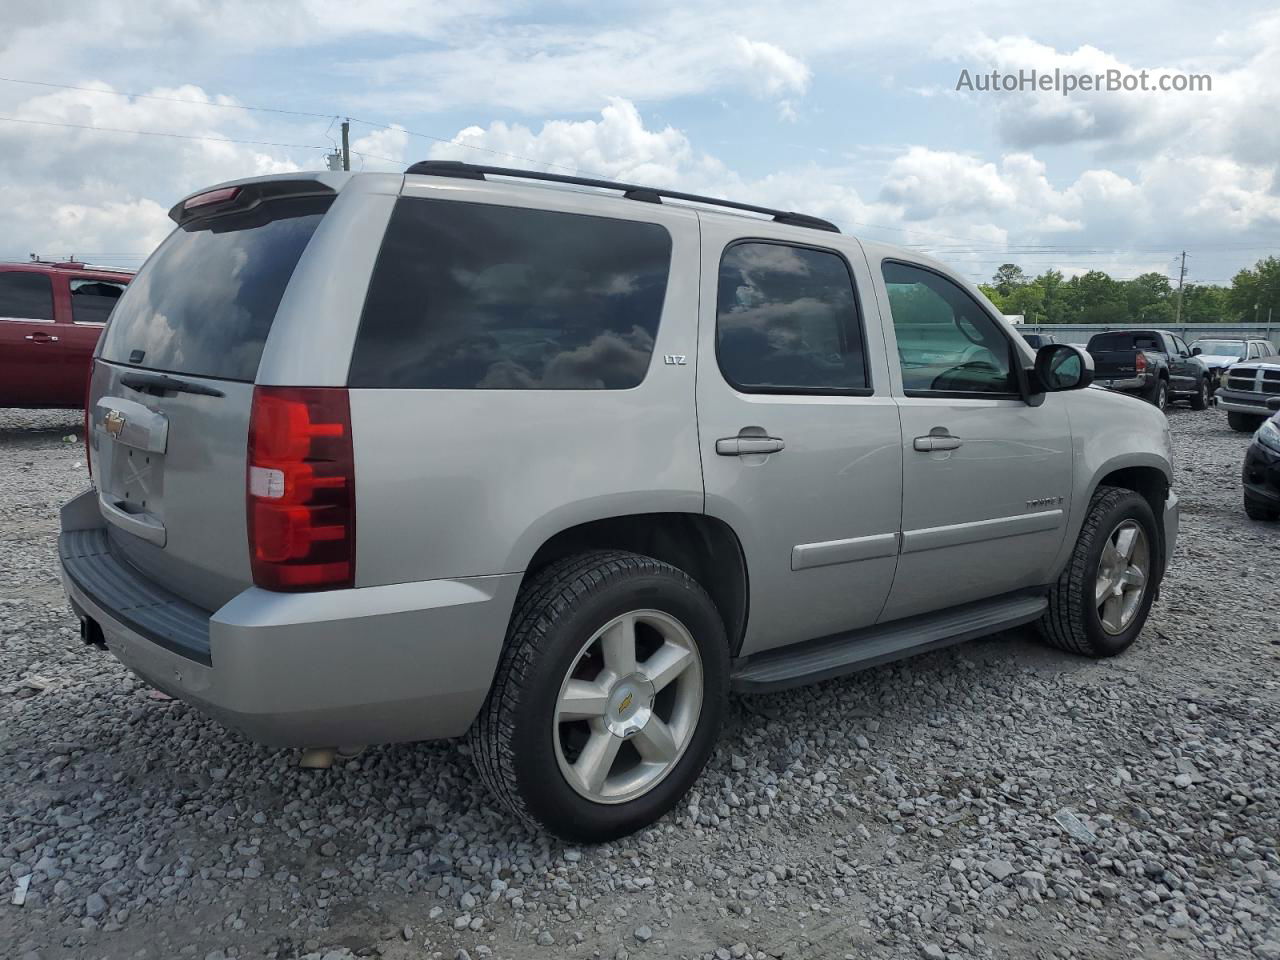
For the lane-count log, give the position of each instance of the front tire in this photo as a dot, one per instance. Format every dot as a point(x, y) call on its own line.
point(608, 699)
point(1259, 511)
point(1243, 422)
point(1101, 600)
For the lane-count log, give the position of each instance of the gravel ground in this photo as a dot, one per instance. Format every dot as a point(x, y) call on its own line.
point(997, 799)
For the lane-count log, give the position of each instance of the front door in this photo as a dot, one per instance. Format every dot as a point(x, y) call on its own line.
point(1185, 371)
point(798, 427)
point(986, 476)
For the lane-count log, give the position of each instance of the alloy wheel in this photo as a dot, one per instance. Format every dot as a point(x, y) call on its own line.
point(1123, 572)
point(628, 706)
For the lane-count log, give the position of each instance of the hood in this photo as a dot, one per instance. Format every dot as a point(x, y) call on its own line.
point(1218, 359)
point(1257, 365)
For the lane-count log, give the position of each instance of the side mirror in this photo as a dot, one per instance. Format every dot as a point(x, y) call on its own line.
point(1060, 366)
point(1196, 351)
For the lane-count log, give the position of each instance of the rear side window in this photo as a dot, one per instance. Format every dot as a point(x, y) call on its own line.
point(478, 296)
point(787, 321)
point(204, 303)
point(25, 296)
point(92, 300)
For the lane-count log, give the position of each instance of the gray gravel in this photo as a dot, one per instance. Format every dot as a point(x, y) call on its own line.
point(997, 799)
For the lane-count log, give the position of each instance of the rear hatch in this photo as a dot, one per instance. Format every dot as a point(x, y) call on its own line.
point(171, 391)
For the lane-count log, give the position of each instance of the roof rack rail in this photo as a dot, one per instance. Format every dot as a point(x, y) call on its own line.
point(476, 171)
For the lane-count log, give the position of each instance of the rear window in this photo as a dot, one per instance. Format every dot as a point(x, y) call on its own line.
point(25, 296)
point(478, 296)
point(1124, 341)
point(92, 300)
point(204, 303)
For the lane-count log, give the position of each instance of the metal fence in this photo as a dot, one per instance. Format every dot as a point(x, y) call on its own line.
point(1081, 332)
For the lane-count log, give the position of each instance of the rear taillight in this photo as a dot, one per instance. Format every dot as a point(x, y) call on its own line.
point(211, 197)
point(88, 448)
point(301, 489)
point(1140, 362)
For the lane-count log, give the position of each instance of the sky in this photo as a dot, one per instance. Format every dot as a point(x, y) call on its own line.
point(111, 111)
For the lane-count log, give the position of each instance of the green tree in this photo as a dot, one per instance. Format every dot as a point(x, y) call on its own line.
point(1098, 298)
point(1255, 292)
point(1202, 303)
point(1008, 278)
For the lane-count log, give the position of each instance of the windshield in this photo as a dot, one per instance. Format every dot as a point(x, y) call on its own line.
point(1221, 348)
point(204, 303)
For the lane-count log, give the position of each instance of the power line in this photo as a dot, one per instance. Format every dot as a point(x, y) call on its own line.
point(157, 133)
point(300, 113)
point(153, 96)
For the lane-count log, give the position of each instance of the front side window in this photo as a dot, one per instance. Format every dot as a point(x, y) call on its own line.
point(787, 321)
point(92, 300)
point(1181, 347)
point(947, 344)
point(472, 296)
point(26, 295)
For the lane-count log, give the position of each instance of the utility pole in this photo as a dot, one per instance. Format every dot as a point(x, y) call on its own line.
point(1182, 272)
point(346, 144)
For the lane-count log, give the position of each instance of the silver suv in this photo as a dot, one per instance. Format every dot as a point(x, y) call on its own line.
point(557, 467)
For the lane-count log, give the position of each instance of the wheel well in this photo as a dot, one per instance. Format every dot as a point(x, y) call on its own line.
point(705, 548)
point(1149, 483)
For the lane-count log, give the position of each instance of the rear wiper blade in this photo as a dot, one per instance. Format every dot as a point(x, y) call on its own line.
point(158, 383)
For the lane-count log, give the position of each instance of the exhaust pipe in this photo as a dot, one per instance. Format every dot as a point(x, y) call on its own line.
point(91, 633)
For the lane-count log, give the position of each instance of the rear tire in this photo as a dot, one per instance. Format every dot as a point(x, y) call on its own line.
point(1078, 602)
point(567, 742)
point(1200, 399)
point(1243, 422)
point(1158, 395)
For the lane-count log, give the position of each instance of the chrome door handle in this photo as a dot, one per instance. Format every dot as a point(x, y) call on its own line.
point(42, 338)
point(744, 446)
point(936, 441)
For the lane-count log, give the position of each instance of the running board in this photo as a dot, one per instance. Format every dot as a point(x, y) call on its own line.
point(844, 653)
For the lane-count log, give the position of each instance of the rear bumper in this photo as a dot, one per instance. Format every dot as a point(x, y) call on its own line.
point(410, 661)
point(1124, 383)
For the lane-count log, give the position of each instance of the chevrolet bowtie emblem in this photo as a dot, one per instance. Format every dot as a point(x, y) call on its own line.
point(113, 422)
point(626, 702)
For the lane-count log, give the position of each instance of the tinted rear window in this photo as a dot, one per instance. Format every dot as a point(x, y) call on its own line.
point(26, 296)
point(204, 303)
point(478, 296)
point(1124, 341)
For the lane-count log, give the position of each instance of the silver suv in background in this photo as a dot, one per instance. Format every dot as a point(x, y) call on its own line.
point(397, 457)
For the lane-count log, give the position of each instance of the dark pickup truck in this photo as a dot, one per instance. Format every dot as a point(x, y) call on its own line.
point(1155, 364)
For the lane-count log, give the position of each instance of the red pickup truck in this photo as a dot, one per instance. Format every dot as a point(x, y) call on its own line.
point(51, 315)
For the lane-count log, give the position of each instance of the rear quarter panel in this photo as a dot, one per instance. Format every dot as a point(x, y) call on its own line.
point(456, 483)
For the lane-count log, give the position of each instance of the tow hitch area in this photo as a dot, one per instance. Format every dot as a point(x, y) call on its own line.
point(91, 633)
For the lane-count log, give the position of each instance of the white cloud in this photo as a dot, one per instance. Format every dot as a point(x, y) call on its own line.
point(381, 149)
point(70, 189)
point(772, 73)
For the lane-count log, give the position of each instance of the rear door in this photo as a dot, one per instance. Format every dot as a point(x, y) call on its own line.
point(88, 301)
point(986, 477)
point(31, 345)
point(798, 429)
point(173, 387)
